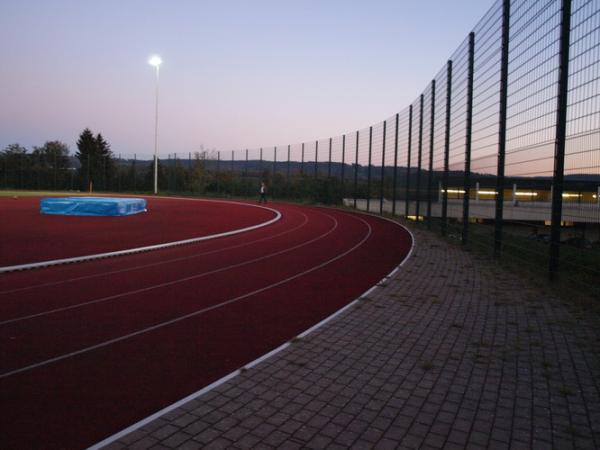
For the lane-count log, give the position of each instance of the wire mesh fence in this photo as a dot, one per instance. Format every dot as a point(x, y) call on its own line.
point(501, 150)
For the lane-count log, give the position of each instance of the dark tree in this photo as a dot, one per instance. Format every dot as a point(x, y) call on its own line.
point(52, 155)
point(50, 164)
point(15, 162)
point(102, 146)
point(86, 150)
point(107, 166)
point(96, 161)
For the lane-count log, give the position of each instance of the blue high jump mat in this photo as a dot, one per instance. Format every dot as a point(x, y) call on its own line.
point(92, 206)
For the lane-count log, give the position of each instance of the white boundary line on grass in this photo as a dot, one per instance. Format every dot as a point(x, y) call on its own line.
point(226, 378)
point(148, 248)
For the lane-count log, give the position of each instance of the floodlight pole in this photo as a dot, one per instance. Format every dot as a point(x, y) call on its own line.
point(156, 62)
point(156, 135)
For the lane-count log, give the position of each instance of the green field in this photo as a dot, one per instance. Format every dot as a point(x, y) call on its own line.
point(39, 193)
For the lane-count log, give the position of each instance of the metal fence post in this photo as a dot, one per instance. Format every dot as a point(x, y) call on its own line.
point(369, 170)
point(410, 121)
point(232, 173)
point(118, 174)
point(54, 168)
point(261, 163)
point(167, 171)
point(218, 170)
point(343, 161)
point(274, 172)
point(420, 158)
point(21, 170)
point(561, 131)
point(356, 170)
point(302, 161)
point(502, 128)
point(469, 132)
point(431, 137)
point(288, 165)
point(382, 168)
point(329, 164)
point(446, 149)
point(245, 186)
point(316, 158)
point(395, 176)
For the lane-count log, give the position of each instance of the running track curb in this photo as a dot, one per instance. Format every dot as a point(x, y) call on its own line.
point(149, 248)
point(454, 352)
point(109, 440)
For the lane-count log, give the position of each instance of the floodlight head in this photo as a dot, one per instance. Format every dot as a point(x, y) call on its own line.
point(155, 61)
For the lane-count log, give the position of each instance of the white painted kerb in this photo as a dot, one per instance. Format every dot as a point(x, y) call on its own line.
point(149, 247)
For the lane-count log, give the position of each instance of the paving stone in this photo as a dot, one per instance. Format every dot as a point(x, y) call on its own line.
point(305, 433)
point(165, 431)
point(247, 441)
point(176, 440)
point(143, 444)
point(347, 438)
point(189, 445)
point(207, 436)
point(452, 352)
point(276, 438)
point(219, 444)
point(235, 434)
point(159, 446)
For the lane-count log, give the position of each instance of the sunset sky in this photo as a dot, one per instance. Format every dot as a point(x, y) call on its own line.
point(236, 74)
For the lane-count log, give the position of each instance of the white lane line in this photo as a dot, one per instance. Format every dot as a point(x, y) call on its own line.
point(148, 247)
point(167, 283)
point(226, 378)
point(159, 263)
point(190, 315)
point(372, 288)
point(387, 219)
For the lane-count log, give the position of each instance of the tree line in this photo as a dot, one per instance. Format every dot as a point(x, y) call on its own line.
point(50, 166)
point(94, 167)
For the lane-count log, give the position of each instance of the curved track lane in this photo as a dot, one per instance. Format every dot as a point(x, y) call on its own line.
point(27, 238)
point(90, 348)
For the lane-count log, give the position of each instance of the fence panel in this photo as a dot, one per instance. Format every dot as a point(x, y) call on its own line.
point(501, 150)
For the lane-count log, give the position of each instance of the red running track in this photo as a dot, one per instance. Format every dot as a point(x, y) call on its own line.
point(88, 349)
point(26, 236)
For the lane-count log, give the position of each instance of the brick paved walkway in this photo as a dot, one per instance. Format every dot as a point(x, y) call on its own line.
point(452, 352)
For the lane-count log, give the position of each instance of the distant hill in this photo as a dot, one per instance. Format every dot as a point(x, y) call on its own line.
point(456, 177)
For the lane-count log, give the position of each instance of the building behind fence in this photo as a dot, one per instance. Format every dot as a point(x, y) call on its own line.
point(501, 150)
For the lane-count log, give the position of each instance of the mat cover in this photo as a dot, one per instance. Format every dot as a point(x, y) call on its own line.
point(92, 206)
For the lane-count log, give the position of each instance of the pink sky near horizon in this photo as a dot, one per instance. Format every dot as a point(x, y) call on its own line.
point(235, 74)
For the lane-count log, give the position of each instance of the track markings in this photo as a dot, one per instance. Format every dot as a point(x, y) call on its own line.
point(203, 310)
point(226, 378)
point(170, 283)
point(159, 263)
point(147, 248)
